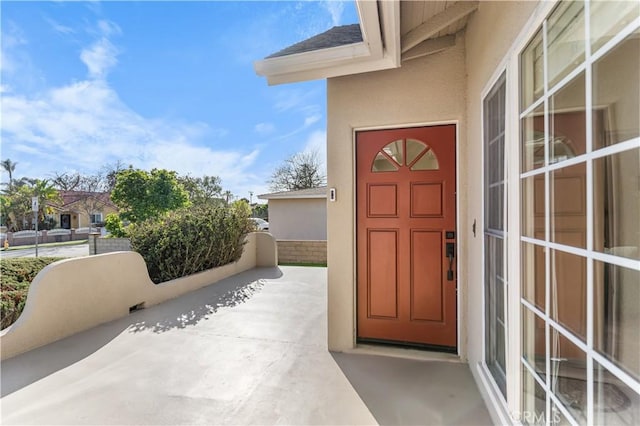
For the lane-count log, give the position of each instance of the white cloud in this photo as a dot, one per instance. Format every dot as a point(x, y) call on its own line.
point(264, 128)
point(86, 125)
point(317, 143)
point(312, 119)
point(335, 9)
point(109, 28)
point(59, 28)
point(100, 57)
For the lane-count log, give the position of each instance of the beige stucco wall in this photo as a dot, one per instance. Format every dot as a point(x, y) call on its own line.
point(76, 294)
point(490, 33)
point(425, 90)
point(298, 219)
point(444, 87)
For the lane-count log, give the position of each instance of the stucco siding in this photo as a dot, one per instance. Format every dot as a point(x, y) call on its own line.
point(491, 31)
point(298, 219)
point(424, 91)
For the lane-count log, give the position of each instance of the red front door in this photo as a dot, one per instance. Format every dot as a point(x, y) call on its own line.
point(406, 204)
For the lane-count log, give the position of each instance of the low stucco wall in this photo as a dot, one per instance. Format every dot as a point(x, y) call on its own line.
point(298, 251)
point(45, 236)
point(76, 294)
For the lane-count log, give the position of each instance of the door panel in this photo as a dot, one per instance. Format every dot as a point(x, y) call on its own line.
point(383, 273)
point(405, 204)
point(426, 276)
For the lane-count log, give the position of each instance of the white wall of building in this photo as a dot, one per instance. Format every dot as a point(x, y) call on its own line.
point(298, 218)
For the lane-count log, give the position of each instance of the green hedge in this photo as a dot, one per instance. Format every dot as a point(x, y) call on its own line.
point(191, 240)
point(15, 278)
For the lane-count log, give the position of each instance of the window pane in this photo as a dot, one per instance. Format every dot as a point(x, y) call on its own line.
point(383, 164)
point(565, 40)
point(428, 161)
point(569, 375)
point(532, 195)
point(568, 123)
point(608, 18)
point(616, 89)
point(569, 291)
point(533, 274)
point(557, 418)
point(395, 151)
point(615, 403)
point(531, 64)
point(569, 206)
point(534, 341)
point(617, 315)
point(414, 148)
point(617, 204)
point(533, 400)
point(533, 140)
point(495, 328)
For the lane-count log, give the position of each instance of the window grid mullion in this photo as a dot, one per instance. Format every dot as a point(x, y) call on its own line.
point(590, 221)
point(547, 221)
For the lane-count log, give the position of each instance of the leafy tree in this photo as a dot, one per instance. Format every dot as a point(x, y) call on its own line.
point(202, 190)
point(300, 171)
point(17, 202)
point(261, 211)
point(141, 195)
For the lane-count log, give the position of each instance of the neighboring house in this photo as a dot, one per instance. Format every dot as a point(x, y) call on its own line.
point(298, 221)
point(485, 158)
point(80, 209)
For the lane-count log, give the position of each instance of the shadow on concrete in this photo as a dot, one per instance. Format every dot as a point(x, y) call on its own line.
point(198, 305)
point(401, 391)
point(189, 309)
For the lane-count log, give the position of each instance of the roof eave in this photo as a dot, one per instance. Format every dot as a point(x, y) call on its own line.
point(291, 197)
point(380, 49)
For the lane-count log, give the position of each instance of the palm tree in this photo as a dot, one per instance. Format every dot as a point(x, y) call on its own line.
point(228, 195)
point(9, 167)
point(46, 193)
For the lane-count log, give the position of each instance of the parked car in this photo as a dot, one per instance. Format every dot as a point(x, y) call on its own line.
point(261, 224)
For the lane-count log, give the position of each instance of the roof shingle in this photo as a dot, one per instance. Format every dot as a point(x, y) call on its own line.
point(336, 36)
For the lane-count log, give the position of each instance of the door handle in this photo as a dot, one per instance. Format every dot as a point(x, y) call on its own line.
point(450, 251)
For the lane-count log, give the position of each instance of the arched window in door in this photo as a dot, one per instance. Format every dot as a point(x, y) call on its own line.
point(411, 153)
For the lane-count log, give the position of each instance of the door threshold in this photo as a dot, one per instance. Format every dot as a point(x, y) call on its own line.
point(403, 352)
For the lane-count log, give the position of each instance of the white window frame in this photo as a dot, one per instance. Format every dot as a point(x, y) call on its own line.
point(590, 256)
point(96, 214)
point(495, 391)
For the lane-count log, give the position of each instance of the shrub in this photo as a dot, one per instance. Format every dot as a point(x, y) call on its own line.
point(15, 278)
point(190, 240)
point(114, 225)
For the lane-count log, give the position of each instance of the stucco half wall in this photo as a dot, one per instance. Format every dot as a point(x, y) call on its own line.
point(76, 294)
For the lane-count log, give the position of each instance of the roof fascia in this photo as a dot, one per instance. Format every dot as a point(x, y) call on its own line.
point(380, 49)
point(292, 197)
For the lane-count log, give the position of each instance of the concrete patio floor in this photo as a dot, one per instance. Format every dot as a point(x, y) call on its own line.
point(250, 349)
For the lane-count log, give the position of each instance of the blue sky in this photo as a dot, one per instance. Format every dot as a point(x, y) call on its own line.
point(158, 84)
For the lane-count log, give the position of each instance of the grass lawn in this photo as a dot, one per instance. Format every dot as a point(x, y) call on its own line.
point(16, 276)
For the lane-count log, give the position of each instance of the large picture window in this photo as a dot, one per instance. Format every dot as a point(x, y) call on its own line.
point(580, 210)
